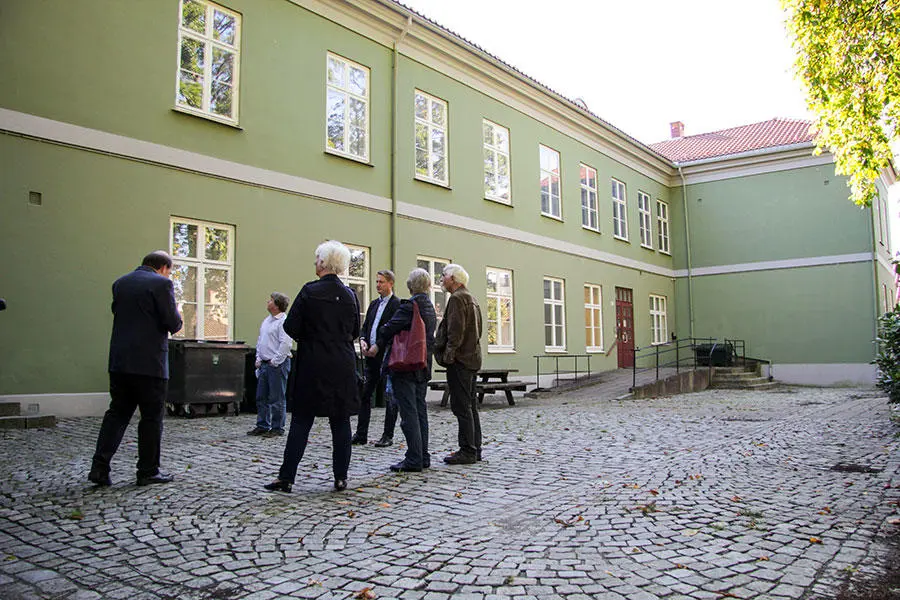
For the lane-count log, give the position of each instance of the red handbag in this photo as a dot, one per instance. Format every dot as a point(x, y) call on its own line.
point(408, 350)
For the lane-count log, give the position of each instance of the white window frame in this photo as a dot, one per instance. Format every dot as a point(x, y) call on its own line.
point(495, 152)
point(590, 217)
point(436, 288)
point(427, 124)
point(645, 216)
point(550, 175)
point(344, 90)
point(201, 264)
point(359, 280)
point(659, 321)
point(553, 301)
point(882, 220)
point(593, 318)
point(498, 298)
point(620, 210)
point(210, 44)
point(662, 226)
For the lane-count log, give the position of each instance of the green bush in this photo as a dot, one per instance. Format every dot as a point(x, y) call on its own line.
point(888, 358)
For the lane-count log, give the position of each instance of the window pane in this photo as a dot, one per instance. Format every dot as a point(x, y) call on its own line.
point(557, 314)
point(220, 100)
point(437, 113)
point(505, 285)
point(184, 280)
point(358, 263)
point(189, 315)
point(502, 139)
point(422, 264)
point(487, 134)
point(335, 120)
point(548, 335)
point(547, 294)
point(548, 314)
point(421, 107)
point(358, 84)
point(492, 321)
point(193, 16)
point(360, 290)
point(557, 290)
point(336, 72)
point(492, 281)
point(215, 314)
point(222, 66)
point(184, 240)
point(224, 28)
point(216, 244)
point(439, 269)
point(358, 142)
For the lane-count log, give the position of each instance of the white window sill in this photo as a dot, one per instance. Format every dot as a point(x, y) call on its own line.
point(592, 229)
point(665, 252)
point(621, 239)
point(549, 216)
point(650, 248)
point(350, 157)
point(554, 350)
point(208, 117)
point(441, 184)
point(594, 351)
point(500, 350)
point(499, 201)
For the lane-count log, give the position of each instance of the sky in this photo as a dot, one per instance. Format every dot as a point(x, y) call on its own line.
point(641, 64)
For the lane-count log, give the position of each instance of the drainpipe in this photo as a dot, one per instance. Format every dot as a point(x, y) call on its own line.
point(871, 227)
point(687, 244)
point(395, 69)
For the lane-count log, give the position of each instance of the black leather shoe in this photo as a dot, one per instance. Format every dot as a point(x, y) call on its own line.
point(340, 485)
point(99, 479)
point(160, 477)
point(384, 442)
point(257, 431)
point(279, 485)
point(359, 441)
point(273, 433)
point(402, 467)
point(458, 458)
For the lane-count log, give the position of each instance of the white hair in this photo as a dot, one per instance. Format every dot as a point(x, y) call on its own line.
point(456, 272)
point(418, 282)
point(334, 255)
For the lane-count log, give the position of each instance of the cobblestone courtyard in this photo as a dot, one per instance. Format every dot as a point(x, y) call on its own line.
point(719, 494)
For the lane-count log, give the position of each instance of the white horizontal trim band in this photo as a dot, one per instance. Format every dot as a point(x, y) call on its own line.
point(769, 265)
point(100, 141)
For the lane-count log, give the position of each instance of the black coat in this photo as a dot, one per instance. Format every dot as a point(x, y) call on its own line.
point(402, 321)
point(144, 314)
point(324, 320)
point(374, 363)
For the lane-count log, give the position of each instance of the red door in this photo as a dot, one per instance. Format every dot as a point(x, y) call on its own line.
point(625, 327)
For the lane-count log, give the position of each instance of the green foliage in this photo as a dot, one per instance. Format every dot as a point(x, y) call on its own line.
point(848, 58)
point(888, 359)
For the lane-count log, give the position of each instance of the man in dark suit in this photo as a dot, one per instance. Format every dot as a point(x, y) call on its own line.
point(380, 311)
point(144, 314)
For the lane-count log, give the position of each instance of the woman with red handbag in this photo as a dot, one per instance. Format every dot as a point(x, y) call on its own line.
point(410, 335)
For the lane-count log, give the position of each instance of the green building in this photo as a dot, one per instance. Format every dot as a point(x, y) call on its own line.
point(240, 135)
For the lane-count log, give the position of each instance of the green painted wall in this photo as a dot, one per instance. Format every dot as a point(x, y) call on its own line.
point(805, 315)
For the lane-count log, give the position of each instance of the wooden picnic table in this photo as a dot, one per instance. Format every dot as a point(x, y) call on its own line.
point(487, 381)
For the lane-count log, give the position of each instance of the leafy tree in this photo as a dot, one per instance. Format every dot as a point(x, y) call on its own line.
point(888, 358)
point(848, 58)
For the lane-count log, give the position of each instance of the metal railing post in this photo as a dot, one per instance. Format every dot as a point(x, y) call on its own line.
point(657, 363)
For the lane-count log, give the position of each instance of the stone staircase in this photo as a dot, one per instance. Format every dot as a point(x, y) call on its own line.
point(747, 377)
point(11, 417)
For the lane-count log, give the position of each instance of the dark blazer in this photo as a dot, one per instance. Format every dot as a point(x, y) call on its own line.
point(389, 310)
point(144, 314)
point(402, 321)
point(324, 320)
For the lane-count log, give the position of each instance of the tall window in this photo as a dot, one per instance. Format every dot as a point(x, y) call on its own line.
point(658, 320)
point(662, 225)
point(496, 162)
point(356, 277)
point(550, 195)
point(589, 198)
point(435, 266)
point(431, 138)
point(209, 47)
point(593, 318)
point(499, 309)
point(620, 218)
point(347, 108)
point(203, 275)
point(554, 314)
point(644, 216)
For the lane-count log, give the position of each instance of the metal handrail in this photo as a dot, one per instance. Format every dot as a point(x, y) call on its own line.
point(557, 370)
point(680, 362)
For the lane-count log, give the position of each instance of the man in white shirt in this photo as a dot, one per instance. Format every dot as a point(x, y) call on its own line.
point(273, 364)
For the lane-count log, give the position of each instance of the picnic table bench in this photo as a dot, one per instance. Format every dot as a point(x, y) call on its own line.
point(484, 385)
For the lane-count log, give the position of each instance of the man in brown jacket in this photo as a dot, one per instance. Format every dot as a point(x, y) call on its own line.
point(458, 347)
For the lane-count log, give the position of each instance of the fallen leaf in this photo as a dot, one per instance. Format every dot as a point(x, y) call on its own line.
point(893, 521)
point(735, 498)
point(825, 510)
point(364, 594)
point(763, 557)
point(815, 540)
point(654, 492)
point(351, 514)
point(384, 505)
point(690, 532)
point(458, 494)
point(680, 566)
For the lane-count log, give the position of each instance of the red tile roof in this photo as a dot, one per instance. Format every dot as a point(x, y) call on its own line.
point(768, 134)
